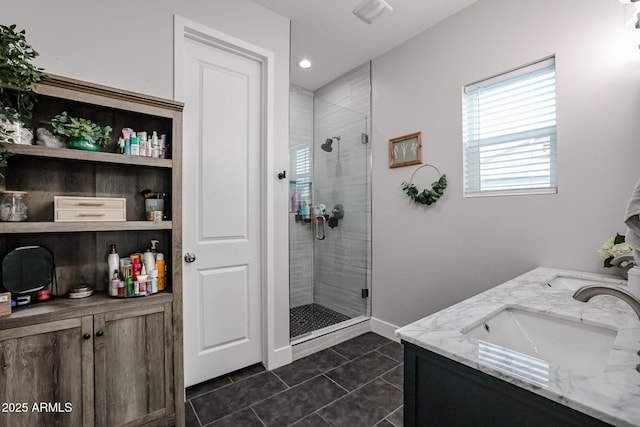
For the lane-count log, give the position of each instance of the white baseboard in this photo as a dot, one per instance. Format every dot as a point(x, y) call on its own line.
point(383, 328)
point(279, 357)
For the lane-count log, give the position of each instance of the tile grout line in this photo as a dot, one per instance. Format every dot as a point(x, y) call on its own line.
point(387, 417)
point(321, 417)
point(260, 419)
point(330, 379)
point(194, 412)
point(345, 360)
point(281, 380)
point(391, 384)
point(290, 388)
point(345, 396)
point(226, 385)
point(282, 391)
point(333, 351)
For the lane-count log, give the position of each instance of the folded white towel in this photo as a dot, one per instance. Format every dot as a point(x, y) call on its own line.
point(632, 220)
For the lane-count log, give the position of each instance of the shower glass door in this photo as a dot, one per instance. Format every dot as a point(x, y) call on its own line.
point(329, 216)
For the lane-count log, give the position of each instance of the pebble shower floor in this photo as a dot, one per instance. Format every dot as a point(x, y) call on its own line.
point(310, 317)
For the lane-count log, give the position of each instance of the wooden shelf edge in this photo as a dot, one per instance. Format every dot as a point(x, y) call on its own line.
point(72, 227)
point(80, 155)
point(67, 83)
point(63, 308)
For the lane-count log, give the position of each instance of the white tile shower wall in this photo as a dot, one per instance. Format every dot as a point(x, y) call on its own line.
point(342, 263)
point(300, 234)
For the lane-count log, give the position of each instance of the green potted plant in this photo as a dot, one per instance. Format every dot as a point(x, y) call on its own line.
point(17, 79)
point(82, 134)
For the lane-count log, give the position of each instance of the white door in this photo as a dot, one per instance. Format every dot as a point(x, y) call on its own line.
point(221, 206)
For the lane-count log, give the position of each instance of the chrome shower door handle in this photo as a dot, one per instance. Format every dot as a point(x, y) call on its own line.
point(319, 232)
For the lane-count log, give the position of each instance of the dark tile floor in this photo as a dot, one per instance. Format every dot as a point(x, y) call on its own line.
point(356, 383)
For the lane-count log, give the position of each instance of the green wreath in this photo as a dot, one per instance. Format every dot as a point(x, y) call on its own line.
point(426, 197)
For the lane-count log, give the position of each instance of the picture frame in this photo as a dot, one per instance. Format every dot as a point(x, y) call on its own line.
point(405, 150)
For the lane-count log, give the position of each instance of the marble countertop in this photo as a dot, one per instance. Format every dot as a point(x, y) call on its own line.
point(612, 396)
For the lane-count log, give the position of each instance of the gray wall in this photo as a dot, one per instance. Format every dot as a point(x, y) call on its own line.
point(129, 45)
point(427, 258)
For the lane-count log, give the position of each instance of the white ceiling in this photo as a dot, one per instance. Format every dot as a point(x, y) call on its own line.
point(328, 34)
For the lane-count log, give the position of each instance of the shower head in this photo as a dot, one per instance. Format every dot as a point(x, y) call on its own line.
point(327, 144)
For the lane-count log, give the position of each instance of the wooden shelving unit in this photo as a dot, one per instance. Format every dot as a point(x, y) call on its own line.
point(117, 361)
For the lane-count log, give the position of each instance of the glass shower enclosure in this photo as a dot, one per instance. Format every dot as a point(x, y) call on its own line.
point(329, 232)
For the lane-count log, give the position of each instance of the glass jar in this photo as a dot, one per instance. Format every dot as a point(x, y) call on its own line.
point(12, 206)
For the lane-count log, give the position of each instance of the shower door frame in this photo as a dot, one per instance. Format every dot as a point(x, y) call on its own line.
point(365, 313)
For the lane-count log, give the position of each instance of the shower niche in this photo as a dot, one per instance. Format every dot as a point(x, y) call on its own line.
point(329, 216)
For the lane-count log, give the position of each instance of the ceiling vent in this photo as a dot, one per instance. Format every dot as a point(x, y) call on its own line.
point(368, 10)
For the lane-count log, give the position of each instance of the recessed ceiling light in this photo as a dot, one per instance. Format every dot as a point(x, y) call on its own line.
point(305, 63)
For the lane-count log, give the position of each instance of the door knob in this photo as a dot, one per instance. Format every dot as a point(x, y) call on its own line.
point(188, 257)
point(86, 336)
point(100, 333)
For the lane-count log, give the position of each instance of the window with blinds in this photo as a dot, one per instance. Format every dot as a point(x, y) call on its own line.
point(509, 132)
point(301, 172)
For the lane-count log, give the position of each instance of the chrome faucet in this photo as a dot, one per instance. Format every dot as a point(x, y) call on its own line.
point(587, 292)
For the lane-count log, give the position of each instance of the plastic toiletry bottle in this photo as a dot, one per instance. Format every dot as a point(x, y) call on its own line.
point(135, 262)
point(122, 290)
point(113, 260)
point(135, 145)
point(152, 282)
point(129, 291)
point(148, 260)
point(160, 266)
point(155, 145)
point(115, 282)
point(164, 146)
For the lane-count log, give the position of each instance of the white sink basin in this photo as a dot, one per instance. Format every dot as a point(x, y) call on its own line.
point(573, 283)
point(530, 344)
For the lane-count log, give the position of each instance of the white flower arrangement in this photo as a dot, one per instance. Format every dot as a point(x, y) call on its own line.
point(613, 248)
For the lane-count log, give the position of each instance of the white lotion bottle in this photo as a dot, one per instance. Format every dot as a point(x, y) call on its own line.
point(113, 260)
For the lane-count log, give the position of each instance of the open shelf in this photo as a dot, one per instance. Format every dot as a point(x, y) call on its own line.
point(89, 156)
point(72, 227)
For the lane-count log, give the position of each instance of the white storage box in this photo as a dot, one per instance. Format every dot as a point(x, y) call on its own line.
point(69, 208)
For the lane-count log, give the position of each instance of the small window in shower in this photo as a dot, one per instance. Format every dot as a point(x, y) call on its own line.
point(301, 172)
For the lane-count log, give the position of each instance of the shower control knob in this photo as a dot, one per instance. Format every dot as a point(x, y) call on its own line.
point(188, 257)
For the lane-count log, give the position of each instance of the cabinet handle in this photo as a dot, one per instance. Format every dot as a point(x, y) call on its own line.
point(86, 336)
point(88, 214)
point(100, 333)
point(90, 204)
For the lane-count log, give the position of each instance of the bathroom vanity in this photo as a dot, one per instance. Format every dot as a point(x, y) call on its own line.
point(526, 353)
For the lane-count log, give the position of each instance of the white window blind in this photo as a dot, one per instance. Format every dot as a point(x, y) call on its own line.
point(301, 172)
point(509, 132)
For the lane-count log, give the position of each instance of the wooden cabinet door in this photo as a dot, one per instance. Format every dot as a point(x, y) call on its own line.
point(46, 374)
point(133, 366)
